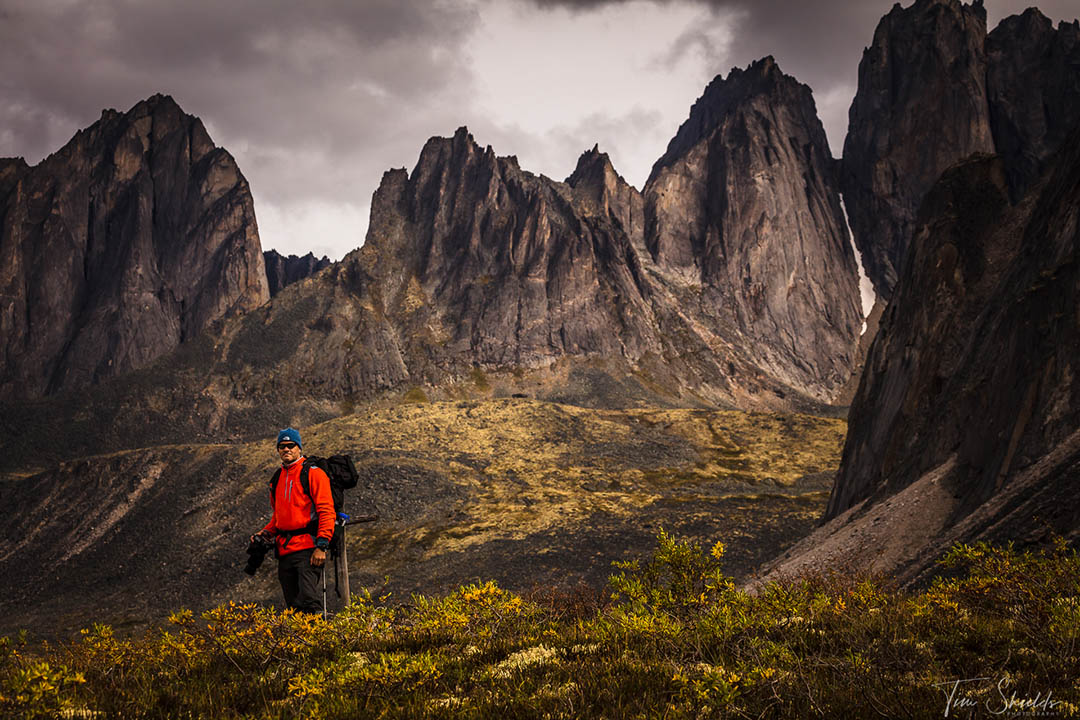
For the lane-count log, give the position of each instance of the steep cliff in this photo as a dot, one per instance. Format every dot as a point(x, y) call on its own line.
point(966, 239)
point(966, 424)
point(744, 204)
point(920, 107)
point(282, 270)
point(136, 235)
point(934, 89)
point(511, 271)
point(1033, 87)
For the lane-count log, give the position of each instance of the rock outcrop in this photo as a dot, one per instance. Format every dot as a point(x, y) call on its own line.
point(744, 205)
point(507, 267)
point(282, 270)
point(920, 107)
point(136, 235)
point(935, 89)
point(599, 191)
point(966, 424)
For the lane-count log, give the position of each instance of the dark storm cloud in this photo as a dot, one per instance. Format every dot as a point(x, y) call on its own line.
point(819, 42)
point(809, 31)
point(317, 99)
point(330, 79)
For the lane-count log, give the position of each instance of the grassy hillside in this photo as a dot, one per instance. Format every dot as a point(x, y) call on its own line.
point(526, 493)
point(538, 493)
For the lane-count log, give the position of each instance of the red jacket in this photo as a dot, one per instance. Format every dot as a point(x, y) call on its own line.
point(295, 510)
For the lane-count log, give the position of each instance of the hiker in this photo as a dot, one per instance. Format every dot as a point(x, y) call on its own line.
point(302, 524)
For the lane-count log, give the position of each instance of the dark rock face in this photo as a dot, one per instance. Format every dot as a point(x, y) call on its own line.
point(920, 107)
point(951, 273)
point(934, 89)
point(284, 270)
point(744, 205)
point(510, 268)
point(1033, 85)
point(135, 236)
point(971, 381)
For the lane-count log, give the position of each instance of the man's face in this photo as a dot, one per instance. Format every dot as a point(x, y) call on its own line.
point(288, 451)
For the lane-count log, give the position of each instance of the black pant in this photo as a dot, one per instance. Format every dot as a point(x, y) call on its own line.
point(300, 581)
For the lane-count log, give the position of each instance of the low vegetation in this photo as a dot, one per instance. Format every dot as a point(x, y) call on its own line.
point(673, 637)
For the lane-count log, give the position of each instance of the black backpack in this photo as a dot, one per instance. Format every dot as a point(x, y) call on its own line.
point(343, 476)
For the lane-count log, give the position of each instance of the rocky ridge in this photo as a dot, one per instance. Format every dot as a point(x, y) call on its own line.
point(745, 206)
point(282, 270)
point(473, 263)
point(933, 89)
point(966, 423)
point(135, 236)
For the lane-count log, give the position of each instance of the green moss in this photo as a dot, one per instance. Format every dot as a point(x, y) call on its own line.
point(415, 395)
point(480, 379)
point(266, 339)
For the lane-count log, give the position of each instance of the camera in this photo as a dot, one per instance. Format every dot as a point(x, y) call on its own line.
point(260, 545)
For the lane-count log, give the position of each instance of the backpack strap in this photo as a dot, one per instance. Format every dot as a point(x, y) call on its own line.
point(312, 528)
point(273, 484)
point(305, 482)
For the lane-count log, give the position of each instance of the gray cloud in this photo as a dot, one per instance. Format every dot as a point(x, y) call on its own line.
point(820, 42)
point(317, 99)
point(312, 98)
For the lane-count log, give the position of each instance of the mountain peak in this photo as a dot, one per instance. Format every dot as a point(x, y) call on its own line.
point(747, 173)
point(920, 107)
point(723, 96)
point(592, 165)
point(148, 265)
point(158, 105)
point(765, 66)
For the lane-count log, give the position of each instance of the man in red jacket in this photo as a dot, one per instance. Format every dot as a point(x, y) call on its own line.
point(302, 523)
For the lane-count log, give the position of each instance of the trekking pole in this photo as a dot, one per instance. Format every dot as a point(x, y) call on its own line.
point(343, 574)
point(324, 590)
point(343, 571)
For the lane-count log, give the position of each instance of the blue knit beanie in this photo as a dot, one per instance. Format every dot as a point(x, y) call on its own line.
point(291, 435)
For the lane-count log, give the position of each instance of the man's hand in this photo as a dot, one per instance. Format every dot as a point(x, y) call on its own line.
point(318, 557)
point(262, 535)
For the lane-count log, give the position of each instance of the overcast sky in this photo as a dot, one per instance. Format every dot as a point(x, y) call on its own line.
point(316, 99)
